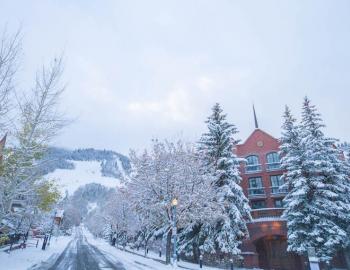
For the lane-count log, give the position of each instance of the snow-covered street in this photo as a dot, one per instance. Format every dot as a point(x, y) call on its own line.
point(83, 251)
point(80, 255)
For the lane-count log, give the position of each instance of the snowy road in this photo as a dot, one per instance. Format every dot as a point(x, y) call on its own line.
point(83, 251)
point(80, 255)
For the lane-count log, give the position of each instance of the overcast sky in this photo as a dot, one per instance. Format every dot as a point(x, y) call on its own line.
point(137, 70)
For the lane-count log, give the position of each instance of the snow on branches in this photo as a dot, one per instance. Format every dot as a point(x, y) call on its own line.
point(318, 203)
point(170, 170)
point(216, 148)
point(37, 120)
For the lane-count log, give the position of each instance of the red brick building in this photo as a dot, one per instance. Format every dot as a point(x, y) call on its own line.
point(261, 183)
point(267, 246)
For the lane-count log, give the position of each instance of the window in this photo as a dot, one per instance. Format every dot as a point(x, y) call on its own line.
point(279, 203)
point(255, 182)
point(256, 186)
point(273, 161)
point(276, 183)
point(258, 204)
point(253, 164)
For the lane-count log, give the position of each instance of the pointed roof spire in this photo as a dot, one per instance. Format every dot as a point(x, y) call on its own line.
point(255, 118)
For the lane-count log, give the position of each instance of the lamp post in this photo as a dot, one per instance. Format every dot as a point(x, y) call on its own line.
point(174, 203)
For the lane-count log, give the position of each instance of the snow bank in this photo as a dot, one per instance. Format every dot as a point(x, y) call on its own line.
point(137, 262)
point(21, 259)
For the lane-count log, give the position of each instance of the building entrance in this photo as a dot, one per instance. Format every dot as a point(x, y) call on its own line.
point(272, 251)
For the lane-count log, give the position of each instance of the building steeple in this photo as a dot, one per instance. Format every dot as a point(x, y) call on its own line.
point(255, 118)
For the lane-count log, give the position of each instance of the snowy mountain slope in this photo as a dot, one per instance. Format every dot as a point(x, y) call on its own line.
point(112, 163)
point(72, 169)
point(84, 172)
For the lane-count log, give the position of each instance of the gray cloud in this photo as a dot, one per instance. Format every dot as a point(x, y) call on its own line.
point(143, 69)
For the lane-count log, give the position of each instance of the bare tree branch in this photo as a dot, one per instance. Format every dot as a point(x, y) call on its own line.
point(10, 48)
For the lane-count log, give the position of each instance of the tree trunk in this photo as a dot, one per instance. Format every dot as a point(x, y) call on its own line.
point(168, 248)
point(195, 253)
point(146, 248)
point(347, 257)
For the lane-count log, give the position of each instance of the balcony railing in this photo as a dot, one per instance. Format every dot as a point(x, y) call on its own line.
point(254, 192)
point(278, 190)
point(273, 166)
point(253, 168)
point(267, 213)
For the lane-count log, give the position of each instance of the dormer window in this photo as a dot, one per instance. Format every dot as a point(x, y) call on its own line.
point(273, 161)
point(253, 164)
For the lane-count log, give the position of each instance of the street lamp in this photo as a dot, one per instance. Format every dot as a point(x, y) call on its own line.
point(174, 203)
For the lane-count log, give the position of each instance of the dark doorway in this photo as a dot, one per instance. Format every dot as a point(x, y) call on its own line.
point(273, 254)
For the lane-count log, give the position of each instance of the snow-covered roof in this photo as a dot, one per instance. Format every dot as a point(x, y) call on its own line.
point(59, 213)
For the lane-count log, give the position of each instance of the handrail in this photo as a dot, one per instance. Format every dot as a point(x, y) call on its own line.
point(278, 190)
point(258, 191)
point(267, 212)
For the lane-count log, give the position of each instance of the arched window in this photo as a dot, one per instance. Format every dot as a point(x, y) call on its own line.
point(273, 161)
point(253, 164)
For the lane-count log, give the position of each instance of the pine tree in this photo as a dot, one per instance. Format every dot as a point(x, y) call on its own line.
point(216, 149)
point(345, 148)
point(296, 200)
point(317, 206)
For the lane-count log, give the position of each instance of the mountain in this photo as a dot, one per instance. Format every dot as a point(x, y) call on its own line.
point(72, 169)
point(84, 201)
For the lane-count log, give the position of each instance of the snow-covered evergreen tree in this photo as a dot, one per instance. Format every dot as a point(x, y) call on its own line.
point(345, 147)
point(292, 157)
point(317, 206)
point(216, 151)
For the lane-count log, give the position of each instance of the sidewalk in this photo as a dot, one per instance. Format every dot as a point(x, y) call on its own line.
point(20, 259)
point(133, 258)
point(181, 264)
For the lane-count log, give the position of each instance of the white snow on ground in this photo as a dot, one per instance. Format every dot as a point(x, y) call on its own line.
point(21, 259)
point(85, 172)
point(91, 206)
point(121, 168)
point(137, 262)
point(31, 256)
